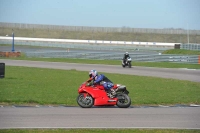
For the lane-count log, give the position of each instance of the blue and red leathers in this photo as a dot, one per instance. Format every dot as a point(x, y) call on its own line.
point(107, 84)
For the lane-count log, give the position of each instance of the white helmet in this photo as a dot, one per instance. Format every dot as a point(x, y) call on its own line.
point(93, 73)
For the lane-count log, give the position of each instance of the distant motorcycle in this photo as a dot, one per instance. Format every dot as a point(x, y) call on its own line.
point(127, 62)
point(96, 96)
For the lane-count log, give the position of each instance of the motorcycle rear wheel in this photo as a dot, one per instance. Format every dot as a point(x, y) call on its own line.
point(124, 101)
point(85, 102)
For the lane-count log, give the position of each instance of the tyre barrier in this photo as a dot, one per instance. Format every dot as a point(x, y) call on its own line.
point(10, 54)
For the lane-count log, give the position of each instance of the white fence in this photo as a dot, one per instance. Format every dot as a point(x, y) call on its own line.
point(99, 29)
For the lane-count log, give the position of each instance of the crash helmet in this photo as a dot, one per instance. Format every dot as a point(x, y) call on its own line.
point(126, 53)
point(93, 73)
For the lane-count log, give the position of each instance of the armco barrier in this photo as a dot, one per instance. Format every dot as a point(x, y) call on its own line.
point(190, 46)
point(190, 59)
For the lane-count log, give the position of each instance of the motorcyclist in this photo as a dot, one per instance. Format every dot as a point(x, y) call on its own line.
point(103, 80)
point(126, 55)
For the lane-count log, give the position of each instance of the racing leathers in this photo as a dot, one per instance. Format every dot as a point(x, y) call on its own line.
point(125, 58)
point(107, 84)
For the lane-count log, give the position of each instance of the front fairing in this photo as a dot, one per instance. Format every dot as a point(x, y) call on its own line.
point(129, 59)
point(81, 87)
point(95, 90)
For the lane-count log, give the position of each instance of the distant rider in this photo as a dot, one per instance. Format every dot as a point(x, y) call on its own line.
point(126, 55)
point(103, 80)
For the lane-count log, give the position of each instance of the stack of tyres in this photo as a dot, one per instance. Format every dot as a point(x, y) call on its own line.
point(2, 70)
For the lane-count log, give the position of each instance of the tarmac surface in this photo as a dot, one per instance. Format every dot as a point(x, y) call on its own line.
point(104, 117)
point(170, 73)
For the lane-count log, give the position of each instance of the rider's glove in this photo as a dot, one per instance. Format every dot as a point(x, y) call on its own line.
point(90, 84)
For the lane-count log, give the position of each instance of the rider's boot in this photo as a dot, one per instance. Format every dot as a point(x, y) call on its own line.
point(113, 92)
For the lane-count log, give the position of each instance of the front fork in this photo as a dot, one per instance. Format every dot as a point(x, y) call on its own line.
point(86, 97)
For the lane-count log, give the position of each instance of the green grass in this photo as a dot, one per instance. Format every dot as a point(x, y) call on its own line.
point(182, 51)
point(96, 131)
point(24, 85)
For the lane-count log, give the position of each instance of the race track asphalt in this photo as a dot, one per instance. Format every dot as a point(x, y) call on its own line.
point(173, 73)
point(104, 117)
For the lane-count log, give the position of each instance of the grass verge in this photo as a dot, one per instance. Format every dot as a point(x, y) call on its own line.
point(181, 51)
point(24, 85)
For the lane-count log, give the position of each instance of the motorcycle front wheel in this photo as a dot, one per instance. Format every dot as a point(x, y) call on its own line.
point(129, 65)
point(124, 101)
point(85, 101)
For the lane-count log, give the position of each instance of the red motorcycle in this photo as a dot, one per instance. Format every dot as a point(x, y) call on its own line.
point(96, 96)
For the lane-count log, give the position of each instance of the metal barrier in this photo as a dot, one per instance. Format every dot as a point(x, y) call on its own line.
point(190, 59)
point(190, 46)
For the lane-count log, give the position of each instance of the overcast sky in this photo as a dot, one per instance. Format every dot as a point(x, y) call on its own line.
point(104, 13)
